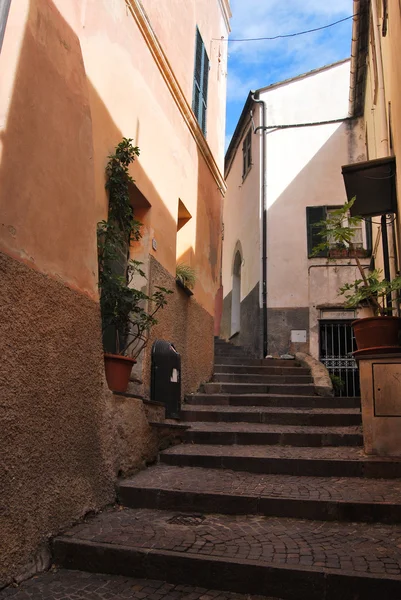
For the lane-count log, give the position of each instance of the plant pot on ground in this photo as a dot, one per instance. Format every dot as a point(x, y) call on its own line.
point(381, 330)
point(128, 314)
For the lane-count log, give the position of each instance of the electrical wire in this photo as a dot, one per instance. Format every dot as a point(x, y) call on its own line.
point(287, 35)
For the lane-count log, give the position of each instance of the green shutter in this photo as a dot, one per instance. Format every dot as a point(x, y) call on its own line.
point(314, 214)
point(201, 77)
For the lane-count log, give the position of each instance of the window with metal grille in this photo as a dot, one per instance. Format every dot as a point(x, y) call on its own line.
point(362, 238)
point(247, 154)
point(201, 76)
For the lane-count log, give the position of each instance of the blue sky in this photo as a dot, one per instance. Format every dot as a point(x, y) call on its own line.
point(252, 65)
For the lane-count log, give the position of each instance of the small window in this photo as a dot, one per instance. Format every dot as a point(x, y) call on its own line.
point(247, 154)
point(362, 238)
point(201, 76)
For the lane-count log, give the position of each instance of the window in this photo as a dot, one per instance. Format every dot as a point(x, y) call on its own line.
point(199, 98)
point(247, 154)
point(362, 238)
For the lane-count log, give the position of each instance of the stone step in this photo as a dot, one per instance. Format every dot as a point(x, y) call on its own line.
point(62, 584)
point(284, 460)
point(290, 558)
point(283, 435)
point(319, 417)
point(190, 489)
point(260, 370)
point(255, 362)
point(256, 378)
point(272, 400)
point(302, 389)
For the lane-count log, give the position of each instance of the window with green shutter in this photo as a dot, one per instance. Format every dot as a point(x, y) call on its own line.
point(201, 76)
point(315, 214)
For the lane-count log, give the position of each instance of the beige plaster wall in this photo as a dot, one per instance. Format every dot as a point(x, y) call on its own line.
point(303, 168)
point(241, 217)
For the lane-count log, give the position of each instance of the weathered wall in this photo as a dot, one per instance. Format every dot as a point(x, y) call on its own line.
point(186, 324)
point(376, 139)
point(280, 323)
point(56, 443)
point(250, 334)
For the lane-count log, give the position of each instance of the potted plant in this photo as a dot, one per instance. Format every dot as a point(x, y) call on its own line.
point(186, 277)
point(370, 289)
point(126, 322)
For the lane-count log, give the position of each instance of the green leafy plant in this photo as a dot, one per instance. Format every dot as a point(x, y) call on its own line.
point(338, 384)
point(125, 321)
point(371, 289)
point(186, 274)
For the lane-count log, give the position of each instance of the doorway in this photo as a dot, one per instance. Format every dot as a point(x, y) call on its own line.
point(236, 295)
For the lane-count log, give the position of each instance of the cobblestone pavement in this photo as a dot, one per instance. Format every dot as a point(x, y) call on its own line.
point(345, 453)
point(352, 547)
point(238, 483)
point(74, 585)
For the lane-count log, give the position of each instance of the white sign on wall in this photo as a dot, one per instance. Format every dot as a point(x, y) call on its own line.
point(298, 335)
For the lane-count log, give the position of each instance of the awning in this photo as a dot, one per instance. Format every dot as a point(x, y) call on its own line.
point(373, 183)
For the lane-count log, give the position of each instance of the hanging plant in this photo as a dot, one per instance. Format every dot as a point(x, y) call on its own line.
point(125, 321)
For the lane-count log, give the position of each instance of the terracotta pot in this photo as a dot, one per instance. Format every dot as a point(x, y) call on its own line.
point(118, 370)
point(374, 332)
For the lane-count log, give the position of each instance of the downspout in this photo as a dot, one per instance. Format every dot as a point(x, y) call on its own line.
point(354, 58)
point(263, 206)
point(387, 228)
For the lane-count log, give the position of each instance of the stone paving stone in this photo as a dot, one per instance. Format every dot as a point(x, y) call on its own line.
point(197, 479)
point(342, 453)
point(354, 547)
point(76, 585)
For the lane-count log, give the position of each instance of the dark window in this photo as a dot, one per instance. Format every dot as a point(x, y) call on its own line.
point(247, 154)
point(201, 76)
point(362, 238)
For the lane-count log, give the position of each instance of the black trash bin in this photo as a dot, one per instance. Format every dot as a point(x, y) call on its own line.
point(166, 377)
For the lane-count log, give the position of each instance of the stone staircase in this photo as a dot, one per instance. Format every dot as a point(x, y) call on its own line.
point(270, 494)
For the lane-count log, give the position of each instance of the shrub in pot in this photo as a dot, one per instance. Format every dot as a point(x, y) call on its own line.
point(371, 289)
point(128, 313)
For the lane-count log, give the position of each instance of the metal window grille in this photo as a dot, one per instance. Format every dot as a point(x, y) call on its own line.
point(337, 342)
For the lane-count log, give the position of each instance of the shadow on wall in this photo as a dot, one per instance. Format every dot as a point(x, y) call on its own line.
point(57, 445)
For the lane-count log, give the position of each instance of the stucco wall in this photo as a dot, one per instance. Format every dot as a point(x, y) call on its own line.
point(75, 77)
point(303, 168)
point(56, 441)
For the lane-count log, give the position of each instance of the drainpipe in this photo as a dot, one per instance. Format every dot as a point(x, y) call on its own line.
point(354, 58)
point(387, 228)
point(255, 98)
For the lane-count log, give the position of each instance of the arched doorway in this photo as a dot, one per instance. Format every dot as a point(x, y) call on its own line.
point(236, 295)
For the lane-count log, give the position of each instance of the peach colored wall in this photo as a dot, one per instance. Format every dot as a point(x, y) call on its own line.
point(46, 173)
point(81, 106)
point(179, 46)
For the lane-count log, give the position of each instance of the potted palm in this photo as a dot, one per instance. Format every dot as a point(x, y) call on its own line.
point(127, 313)
point(371, 289)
